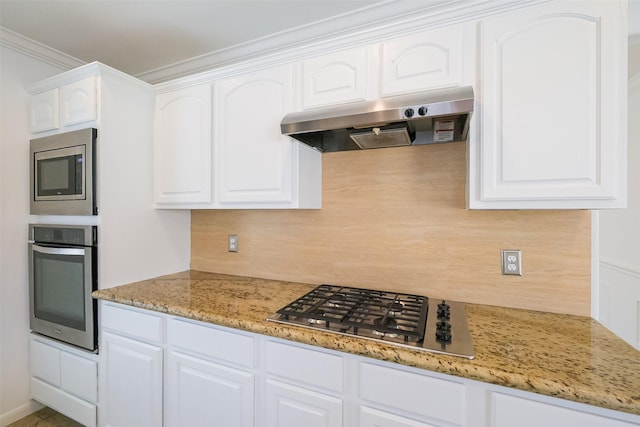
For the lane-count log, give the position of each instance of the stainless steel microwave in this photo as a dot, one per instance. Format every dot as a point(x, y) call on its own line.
point(63, 174)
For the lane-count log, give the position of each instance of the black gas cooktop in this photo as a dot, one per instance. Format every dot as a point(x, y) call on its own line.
point(406, 320)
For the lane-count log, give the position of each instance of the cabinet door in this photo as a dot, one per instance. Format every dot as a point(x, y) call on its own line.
point(423, 61)
point(44, 111)
point(131, 389)
point(182, 146)
point(291, 406)
point(253, 160)
point(203, 393)
point(79, 102)
point(335, 78)
point(552, 122)
point(370, 417)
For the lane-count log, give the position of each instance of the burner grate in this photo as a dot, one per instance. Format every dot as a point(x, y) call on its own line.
point(384, 313)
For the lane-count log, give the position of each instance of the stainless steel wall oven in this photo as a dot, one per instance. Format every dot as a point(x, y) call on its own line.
point(62, 275)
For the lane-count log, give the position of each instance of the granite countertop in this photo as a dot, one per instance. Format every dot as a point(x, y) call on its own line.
point(569, 357)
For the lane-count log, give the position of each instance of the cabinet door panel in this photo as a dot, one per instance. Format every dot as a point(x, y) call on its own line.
point(423, 61)
point(335, 78)
point(200, 392)
point(132, 390)
point(552, 117)
point(44, 111)
point(290, 406)
point(370, 417)
point(79, 102)
point(182, 146)
point(253, 160)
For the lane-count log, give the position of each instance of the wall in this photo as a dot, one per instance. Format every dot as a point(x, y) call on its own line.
point(619, 247)
point(395, 219)
point(16, 70)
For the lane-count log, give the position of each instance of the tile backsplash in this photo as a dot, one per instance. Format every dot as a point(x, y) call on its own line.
point(395, 218)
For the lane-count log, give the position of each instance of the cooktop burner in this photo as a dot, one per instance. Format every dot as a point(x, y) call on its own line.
point(412, 321)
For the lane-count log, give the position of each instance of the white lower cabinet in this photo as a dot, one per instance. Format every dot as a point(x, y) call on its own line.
point(200, 392)
point(160, 370)
point(509, 411)
point(65, 379)
point(132, 393)
point(291, 406)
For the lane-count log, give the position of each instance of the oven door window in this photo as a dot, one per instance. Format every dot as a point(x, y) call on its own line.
point(59, 286)
point(60, 174)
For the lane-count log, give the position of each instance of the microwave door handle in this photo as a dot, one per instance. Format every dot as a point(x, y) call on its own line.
point(58, 251)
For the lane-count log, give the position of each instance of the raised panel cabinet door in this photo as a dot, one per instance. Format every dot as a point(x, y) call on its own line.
point(203, 393)
point(44, 111)
point(335, 78)
point(79, 102)
point(422, 61)
point(131, 383)
point(291, 406)
point(370, 417)
point(553, 107)
point(182, 146)
point(253, 160)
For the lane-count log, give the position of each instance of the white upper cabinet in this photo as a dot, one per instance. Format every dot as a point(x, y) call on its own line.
point(79, 102)
point(551, 109)
point(423, 61)
point(336, 78)
point(227, 152)
point(182, 146)
point(68, 105)
point(44, 111)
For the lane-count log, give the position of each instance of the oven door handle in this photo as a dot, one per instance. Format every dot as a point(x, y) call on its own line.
point(58, 251)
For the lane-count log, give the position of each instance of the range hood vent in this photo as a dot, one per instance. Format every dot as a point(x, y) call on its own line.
point(420, 118)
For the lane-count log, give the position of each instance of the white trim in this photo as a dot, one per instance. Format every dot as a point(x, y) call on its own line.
point(36, 50)
point(624, 269)
point(20, 412)
point(595, 264)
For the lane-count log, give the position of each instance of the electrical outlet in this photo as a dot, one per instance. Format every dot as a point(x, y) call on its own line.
point(233, 243)
point(512, 262)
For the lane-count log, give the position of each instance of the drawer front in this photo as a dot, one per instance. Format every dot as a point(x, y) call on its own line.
point(45, 362)
point(79, 376)
point(132, 323)
point(306, 366)
point(415, 393)
point(212, 342)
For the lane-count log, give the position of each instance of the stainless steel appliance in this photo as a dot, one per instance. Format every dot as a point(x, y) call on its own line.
point(406, 320)
point(420, 118)
point(63, 174)
point(62, 275)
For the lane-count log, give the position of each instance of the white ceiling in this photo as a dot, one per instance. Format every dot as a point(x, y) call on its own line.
point(140, 36)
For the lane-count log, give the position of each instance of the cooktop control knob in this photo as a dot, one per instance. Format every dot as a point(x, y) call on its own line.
point(422, 111)
point(408, 112)
point(444, 311)
point(443, 331)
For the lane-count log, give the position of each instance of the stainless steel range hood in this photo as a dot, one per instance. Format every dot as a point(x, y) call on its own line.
point(419, 118)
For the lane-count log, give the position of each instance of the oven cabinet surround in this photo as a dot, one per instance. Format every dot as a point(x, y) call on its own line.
point(246, 379)
point(70, 104)
point(550, 127)
point(64, 378)
point(218, 146)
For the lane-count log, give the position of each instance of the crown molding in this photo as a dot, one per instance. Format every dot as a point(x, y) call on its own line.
point(21, 44)
point(378, 22)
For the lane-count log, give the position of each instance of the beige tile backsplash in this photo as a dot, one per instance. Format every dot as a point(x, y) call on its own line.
point(395, 219)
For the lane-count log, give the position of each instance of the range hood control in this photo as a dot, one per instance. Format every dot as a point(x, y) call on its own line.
point(408, 112)
point(422, 111)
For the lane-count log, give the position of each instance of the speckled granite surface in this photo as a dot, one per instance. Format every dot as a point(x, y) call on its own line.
point(569, 357)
